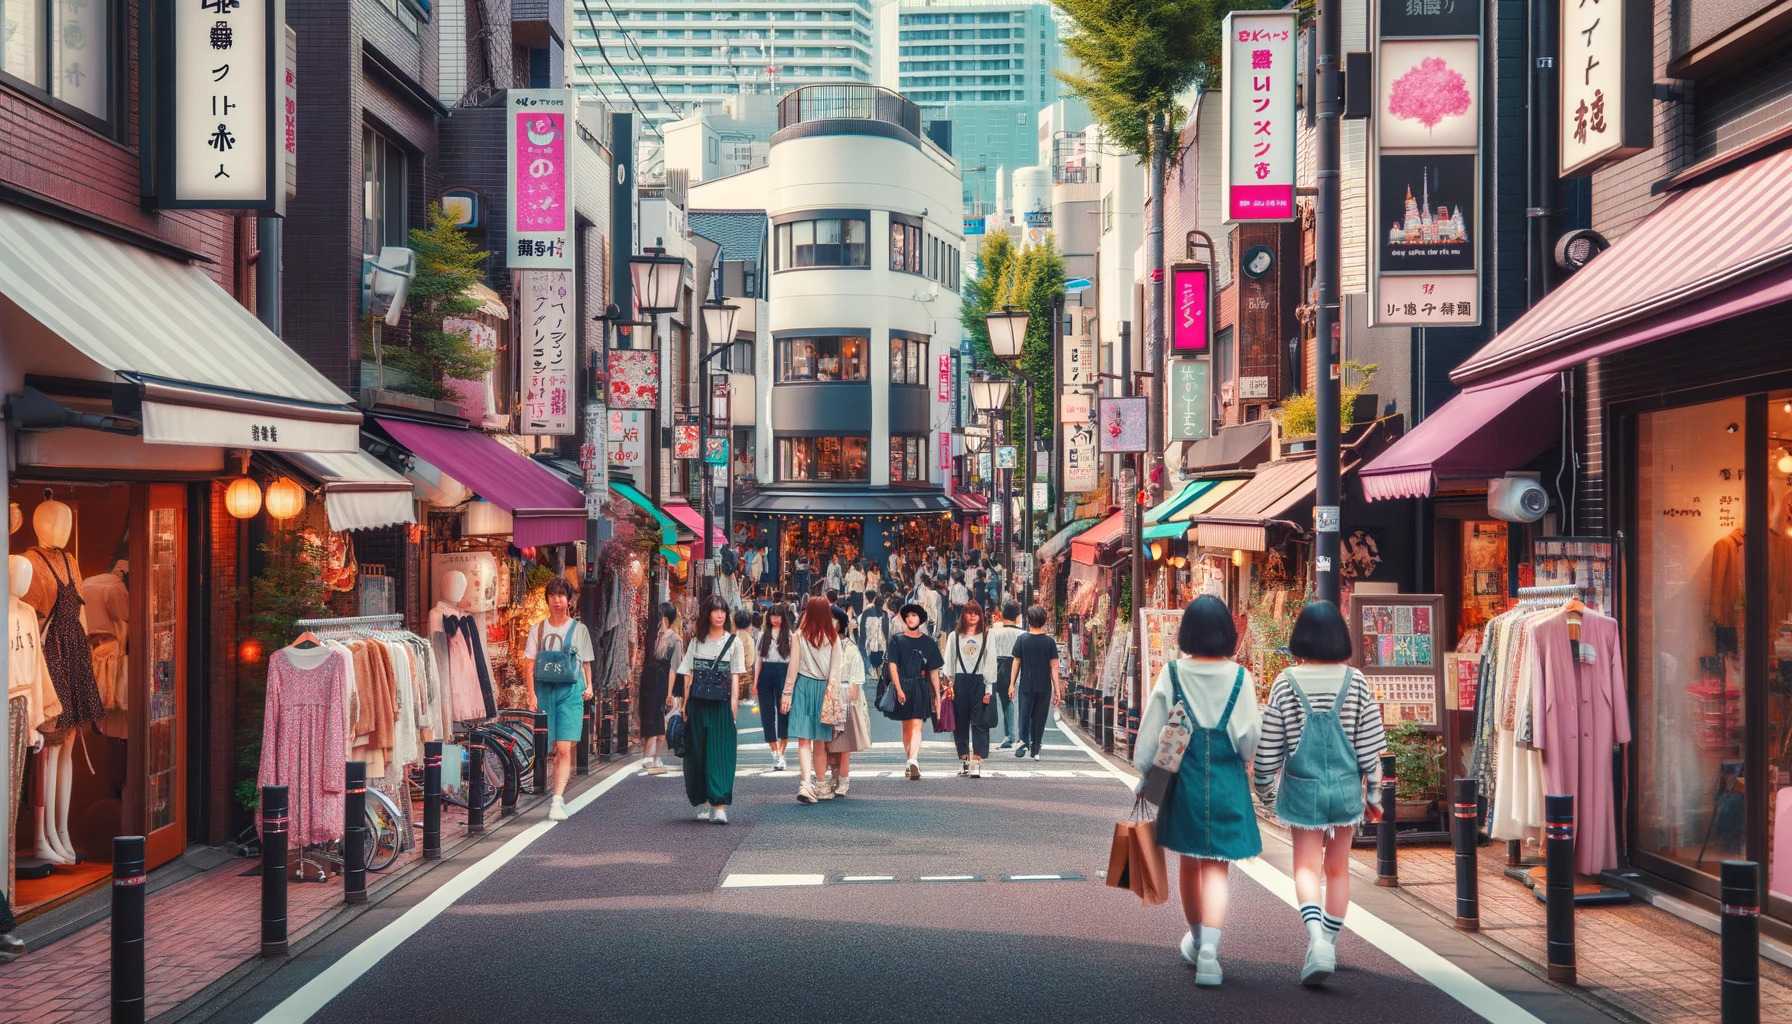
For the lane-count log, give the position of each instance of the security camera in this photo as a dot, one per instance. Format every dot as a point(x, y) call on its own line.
point(386, 280)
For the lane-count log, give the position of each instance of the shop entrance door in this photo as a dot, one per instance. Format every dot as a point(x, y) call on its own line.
point(162, 769)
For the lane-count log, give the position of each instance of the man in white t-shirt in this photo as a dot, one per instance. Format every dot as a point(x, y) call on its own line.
point(563, 699)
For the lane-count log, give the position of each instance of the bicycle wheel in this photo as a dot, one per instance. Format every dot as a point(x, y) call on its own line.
point(517, 743)
point(499, 766)
point(387, 831)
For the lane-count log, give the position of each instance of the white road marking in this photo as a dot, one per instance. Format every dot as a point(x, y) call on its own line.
point(315, 994)
point(946, 878)
point(1036, 878)
point(868, 878)
point(770, 881)
point(1433, 967)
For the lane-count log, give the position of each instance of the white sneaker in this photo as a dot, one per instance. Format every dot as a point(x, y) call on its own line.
point(703, 813)
point(557, 809)
point(778, 762)
point(1321, 961)
point(720, 817)
point(1207, 968)
point(1188, 946)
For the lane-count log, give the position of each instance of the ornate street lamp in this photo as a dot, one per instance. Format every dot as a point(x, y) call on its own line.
point(656, 278)
point(1007, 332)
point(718, 321)
point(1007, 335)
point(990, 393)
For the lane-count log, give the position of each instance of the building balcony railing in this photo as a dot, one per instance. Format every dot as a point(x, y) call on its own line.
point(860, 102)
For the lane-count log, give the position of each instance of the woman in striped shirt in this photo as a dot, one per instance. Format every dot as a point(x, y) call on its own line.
point(1321, 746)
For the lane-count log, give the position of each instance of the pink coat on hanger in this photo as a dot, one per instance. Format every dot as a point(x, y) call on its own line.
point(1581, 711)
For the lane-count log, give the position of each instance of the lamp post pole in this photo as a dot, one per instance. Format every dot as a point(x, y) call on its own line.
point(718, 324)
point(1327, 246)
point(1027, 537)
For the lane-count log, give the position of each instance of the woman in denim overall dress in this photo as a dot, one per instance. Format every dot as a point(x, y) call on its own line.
point(1321, 746)
point(1206, 812)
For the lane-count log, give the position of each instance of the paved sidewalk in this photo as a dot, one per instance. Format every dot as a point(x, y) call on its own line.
point(195, 932)
point(1643, 961)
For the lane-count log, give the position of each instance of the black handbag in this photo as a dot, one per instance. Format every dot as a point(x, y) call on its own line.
point(711, 677)
point(677, 736)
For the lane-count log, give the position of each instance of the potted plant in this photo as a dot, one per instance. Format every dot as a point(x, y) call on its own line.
point(1418, 769)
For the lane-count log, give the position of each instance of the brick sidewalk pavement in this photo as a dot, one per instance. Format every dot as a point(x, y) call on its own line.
point(1641, 960)
point(195, 932)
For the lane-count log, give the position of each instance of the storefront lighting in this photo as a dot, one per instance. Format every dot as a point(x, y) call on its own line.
point(1007, 331)
point(1157, 550)
point(1784, 465)
point(242, 499)
point(285, 499)
point(1239, 558)
point(656, 278)
point(249, 651)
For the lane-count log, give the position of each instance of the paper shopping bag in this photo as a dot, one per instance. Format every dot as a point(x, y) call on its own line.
point(1148, 876)
point(1120, 856)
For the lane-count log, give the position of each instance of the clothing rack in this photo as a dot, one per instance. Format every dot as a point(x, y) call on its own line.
point(352, 622)
point(1541, 594)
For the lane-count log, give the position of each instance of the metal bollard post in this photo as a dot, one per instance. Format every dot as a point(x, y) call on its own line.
point(605, 752)
point(475, 783)
point(1741, 899)
point(127, 930)
point(1558, 860)
point(1132, 730)
point(432, 800)
point(354, 833)
point(507, 798)
point(1107, 723)
point(625, 706)
point(273, 870)
point(1462, 833)
point(582, 752)
point(1387, 855)
point(541, 752)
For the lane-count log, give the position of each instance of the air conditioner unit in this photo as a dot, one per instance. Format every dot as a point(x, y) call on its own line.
point(1517, 498)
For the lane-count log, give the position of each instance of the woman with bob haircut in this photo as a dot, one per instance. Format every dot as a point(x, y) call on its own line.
point(1206, 813)
point(1320, 752)
point(806, 681)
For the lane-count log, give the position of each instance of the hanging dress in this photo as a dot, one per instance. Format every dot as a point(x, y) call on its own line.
point(67, 651)
point(302, 742)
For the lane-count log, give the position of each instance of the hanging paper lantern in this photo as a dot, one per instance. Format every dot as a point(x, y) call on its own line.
point(285, 499)
point(250, 651)
point(242, 499)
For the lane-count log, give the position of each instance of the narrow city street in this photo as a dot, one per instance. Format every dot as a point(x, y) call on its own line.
point(937, 900)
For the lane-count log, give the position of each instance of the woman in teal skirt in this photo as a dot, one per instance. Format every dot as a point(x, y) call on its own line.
point(712, 744)
point(1206, 813)
point(812, 654)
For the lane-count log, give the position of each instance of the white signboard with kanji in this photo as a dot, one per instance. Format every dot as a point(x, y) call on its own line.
point(1259, 128)
point(222, 142)
point(549, 311)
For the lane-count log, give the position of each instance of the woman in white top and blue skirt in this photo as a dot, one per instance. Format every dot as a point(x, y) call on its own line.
point(812, 654)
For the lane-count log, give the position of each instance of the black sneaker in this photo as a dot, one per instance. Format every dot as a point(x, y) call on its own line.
point(1020, 751)
point(1007, 743)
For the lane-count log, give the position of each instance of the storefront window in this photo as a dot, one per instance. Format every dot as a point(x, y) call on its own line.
point(906, 358)
point(842, 538)
point(1779, 653)
point(830, 242)
point(905, 247)
point(1483, 573)
point(78, 70)
point(822, 359)
point(822, 458)
point(906, 455)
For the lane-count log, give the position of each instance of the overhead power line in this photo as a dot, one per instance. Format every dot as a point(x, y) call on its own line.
point(605, 54)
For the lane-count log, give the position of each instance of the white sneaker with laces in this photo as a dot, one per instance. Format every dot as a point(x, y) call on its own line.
point(1321, 961)
point(720, 817)
point(1188, 945)
point(557, 809)
point(1207, 968)
point(703, 814)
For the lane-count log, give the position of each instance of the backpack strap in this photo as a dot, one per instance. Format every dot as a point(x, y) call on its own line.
point(1237, 687)
point(1306, 706)
point(1176, 691)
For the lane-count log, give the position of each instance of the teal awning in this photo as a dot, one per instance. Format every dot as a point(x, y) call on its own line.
point(668, 525)
point(671, 555)
point(1181, 500)
point(1060, 541)
point(1163, 531)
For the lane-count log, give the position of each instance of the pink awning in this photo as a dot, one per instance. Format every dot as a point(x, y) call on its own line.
point(1480, 433)
point(693, 519)
point(1087, 547)
point(1714, 251)
point(547, 509)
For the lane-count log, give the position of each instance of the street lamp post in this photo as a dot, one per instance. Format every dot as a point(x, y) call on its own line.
point(989, 395)
point(975, 441)
point(718, 328)
point(1007, 336)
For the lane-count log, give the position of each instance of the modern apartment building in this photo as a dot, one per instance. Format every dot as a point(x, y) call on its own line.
point(987, 67)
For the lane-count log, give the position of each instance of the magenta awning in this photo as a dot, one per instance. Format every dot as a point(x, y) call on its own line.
point(693, 520)
point(547, 509)
point(1479, 433)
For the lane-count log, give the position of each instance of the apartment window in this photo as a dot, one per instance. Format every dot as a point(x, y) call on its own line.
point(740, 358)
point(823, 458)
point(908, 455)
point(383, 180)
point(827, 242)
point(907, 356)
point(905, 246)
point(827, 358)
point(62, 51)
point(1107, 213)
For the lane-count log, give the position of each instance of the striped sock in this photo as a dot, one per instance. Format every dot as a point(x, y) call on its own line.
point(1313, 918)
point(1333, 925)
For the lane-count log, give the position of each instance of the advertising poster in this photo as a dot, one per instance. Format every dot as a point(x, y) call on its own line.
point(1079, 361)
point(1189, 325)
point(1258, 72)
point(1122, 424)
point(686, 441)
point(1082, 471)
point(1428, 206)
point(628, 438)
point(1428, 94)
point(537, 132)
point(634, 378)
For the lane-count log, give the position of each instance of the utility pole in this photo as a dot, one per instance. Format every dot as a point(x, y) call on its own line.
point(1540, 115)
point(617, 310)
point(1327, 245)
point(1056, 473)
point(1154, 313)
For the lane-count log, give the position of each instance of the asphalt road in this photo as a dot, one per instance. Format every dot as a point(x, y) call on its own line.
point(634, 911)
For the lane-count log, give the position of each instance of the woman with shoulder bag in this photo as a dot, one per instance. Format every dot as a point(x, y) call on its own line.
point(656, 685)
point(972, 670)
point(854, 734)
point(913, 664)
point(712, 667)
point(813, 665)
point(1196, 737)
point(557, 667)
point(774, 660)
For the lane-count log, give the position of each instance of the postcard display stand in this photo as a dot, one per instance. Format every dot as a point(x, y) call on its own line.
point(1396, 639)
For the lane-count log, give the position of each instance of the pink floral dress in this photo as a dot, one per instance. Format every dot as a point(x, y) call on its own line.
point(303, 746)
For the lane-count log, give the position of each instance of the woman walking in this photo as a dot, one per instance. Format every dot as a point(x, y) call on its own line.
point(656, 687)
point(833, 572)
point(799, 579)
point(855, 586)
point(560, 687)
point(856, 735)
point(971, 672)
point(914, 663)
point(1321, 747)
point(812, 669)
point(774, 658)
point(1205, 814)
point(711, 671)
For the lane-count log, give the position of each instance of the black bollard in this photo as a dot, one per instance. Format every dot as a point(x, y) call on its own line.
point(1462, 834)
point(273, 870)
point(475, 783)
point(1107, 723)
point(354, 833)
point(582, 752)
point(507, 797)
point(1558, 861)
point(606, 705)
point(625, 706)
point(1132, 730)
point(127, 930)
point(1741, 898)
point(1387, 855)
point(432, 800)
point(541, 752)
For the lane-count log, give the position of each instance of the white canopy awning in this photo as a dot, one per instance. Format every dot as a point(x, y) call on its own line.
point(201, 369)
point(360, 491)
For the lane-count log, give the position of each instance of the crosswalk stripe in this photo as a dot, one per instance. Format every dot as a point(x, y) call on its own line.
point(771, 881)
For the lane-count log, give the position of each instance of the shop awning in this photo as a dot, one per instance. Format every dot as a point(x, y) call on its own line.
point(360, 491)
point(668, 526)
point(971, 504)
point(1165, 531)
point(1479, 433)
point(693, 521)
point(1242, 521)
point(1223, 488)
point(1714, 251)
point(1240, 446)
point(1179, 501)
point(196, 367)
point(1087, 548)
point(490, 302)
point(837, 503)
point(1059, 542)
point(548, 510)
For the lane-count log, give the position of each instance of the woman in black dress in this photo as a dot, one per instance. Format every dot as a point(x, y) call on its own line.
point(914, 670)
point(656, 676)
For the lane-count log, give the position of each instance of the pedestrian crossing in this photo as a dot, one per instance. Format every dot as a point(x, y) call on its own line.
point(800, 881)
point(928, 772)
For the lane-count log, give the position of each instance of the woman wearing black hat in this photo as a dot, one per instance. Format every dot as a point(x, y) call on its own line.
point(914, 668)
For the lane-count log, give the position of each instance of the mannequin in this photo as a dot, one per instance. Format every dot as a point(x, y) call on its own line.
point(54, 593)
point(28, 679)
point(469, 672)
point(106, 603)
point(454, 588)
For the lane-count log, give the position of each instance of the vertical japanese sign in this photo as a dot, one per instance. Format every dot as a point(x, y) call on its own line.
point(1079, 361)
point(1189, 324)
point(537, 160)
point(596, 465)
point(945, 450)
point(1190, 415)
point(549, 311)
point(945, 378)
point(221, 141)
point(1606, 72)
point(289, 112)
point(628, 438)
point(1259, 126)
point(1424, 238)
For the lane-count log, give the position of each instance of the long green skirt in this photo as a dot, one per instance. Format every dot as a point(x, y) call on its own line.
point(709, 770)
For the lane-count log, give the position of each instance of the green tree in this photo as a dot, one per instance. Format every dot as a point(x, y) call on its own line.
point(448, 263)
point(289, 587)
point(1021, 277)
